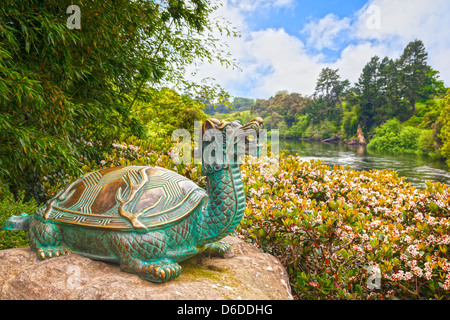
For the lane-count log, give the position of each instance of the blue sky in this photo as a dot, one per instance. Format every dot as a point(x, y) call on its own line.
point(284, 44)
point(292, 17)
point(295, 16)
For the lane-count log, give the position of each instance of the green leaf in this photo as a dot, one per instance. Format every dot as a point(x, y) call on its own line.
point(358, 289)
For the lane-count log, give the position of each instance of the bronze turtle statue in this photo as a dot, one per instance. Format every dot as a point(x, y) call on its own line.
point(147, 219)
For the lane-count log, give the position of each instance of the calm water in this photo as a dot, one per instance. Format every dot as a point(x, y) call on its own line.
point(415, 168)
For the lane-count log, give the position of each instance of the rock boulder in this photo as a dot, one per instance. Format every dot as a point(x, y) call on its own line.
point(247, 275)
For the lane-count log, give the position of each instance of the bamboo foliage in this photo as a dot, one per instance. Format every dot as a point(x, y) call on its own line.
point(60, 85)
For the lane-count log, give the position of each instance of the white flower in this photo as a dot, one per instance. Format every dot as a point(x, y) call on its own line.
point(445, 240)
point(408, 239)
point(446, 266)
point(413, 263)
point(418, 271)
point(408, 276)
point(413, 250)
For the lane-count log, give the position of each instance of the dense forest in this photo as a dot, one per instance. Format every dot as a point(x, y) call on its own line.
point(398, 105)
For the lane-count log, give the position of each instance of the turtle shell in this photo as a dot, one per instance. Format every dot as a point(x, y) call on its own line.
point(125, 198)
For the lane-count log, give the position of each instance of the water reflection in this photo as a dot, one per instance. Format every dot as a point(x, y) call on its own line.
point(417, 169)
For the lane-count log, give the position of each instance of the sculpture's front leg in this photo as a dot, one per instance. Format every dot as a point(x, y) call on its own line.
point(46, 240)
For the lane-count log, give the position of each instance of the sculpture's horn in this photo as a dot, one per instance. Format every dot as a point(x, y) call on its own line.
point(256, 124)
point(213, 123)
point(251, 142)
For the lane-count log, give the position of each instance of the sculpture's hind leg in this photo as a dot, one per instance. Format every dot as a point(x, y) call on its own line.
point(154, 271)
point(217, 248)
point(46, 240)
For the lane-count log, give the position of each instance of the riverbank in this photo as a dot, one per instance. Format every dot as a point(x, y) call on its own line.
point(359, 140)
point(417, 169)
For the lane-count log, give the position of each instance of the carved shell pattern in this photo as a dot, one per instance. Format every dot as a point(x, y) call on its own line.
point(125, 198)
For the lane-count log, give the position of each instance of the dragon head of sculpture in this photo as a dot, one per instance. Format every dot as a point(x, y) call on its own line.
point(225, 143)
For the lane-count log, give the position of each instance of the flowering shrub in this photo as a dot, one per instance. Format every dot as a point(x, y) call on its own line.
point(335, 229)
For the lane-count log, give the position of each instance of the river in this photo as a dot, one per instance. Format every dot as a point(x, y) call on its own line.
point(417, 169)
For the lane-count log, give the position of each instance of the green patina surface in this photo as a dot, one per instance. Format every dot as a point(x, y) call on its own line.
point(147, 219)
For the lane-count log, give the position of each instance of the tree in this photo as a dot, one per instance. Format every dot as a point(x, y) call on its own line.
point(242, 104)
point(380, 93)
point(368, 91)
point(60, 85)
point(164, 111)
point(392, 136)
point(414, 72)
point(275, 121)
point(445, 129)
point(330, 88)
point(388, 90)
point(433, 86)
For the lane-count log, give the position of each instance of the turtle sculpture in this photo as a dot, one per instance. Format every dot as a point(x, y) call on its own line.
point(147, 219)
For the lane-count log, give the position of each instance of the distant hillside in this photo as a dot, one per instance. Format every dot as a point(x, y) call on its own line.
point(238, 104)
point(280, 111)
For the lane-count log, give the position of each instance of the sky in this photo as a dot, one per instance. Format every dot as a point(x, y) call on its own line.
point(284, 44)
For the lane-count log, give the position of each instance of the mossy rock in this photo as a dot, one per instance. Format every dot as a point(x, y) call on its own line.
point(247, 275)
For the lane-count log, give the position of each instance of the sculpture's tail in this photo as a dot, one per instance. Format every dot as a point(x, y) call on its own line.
point(21, 222)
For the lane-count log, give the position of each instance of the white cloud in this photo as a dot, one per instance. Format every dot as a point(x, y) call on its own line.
point(291, 68)
point(324, 32)
point(284, 3)
point(416, 18)
point(253, 5)
point(271, 60)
